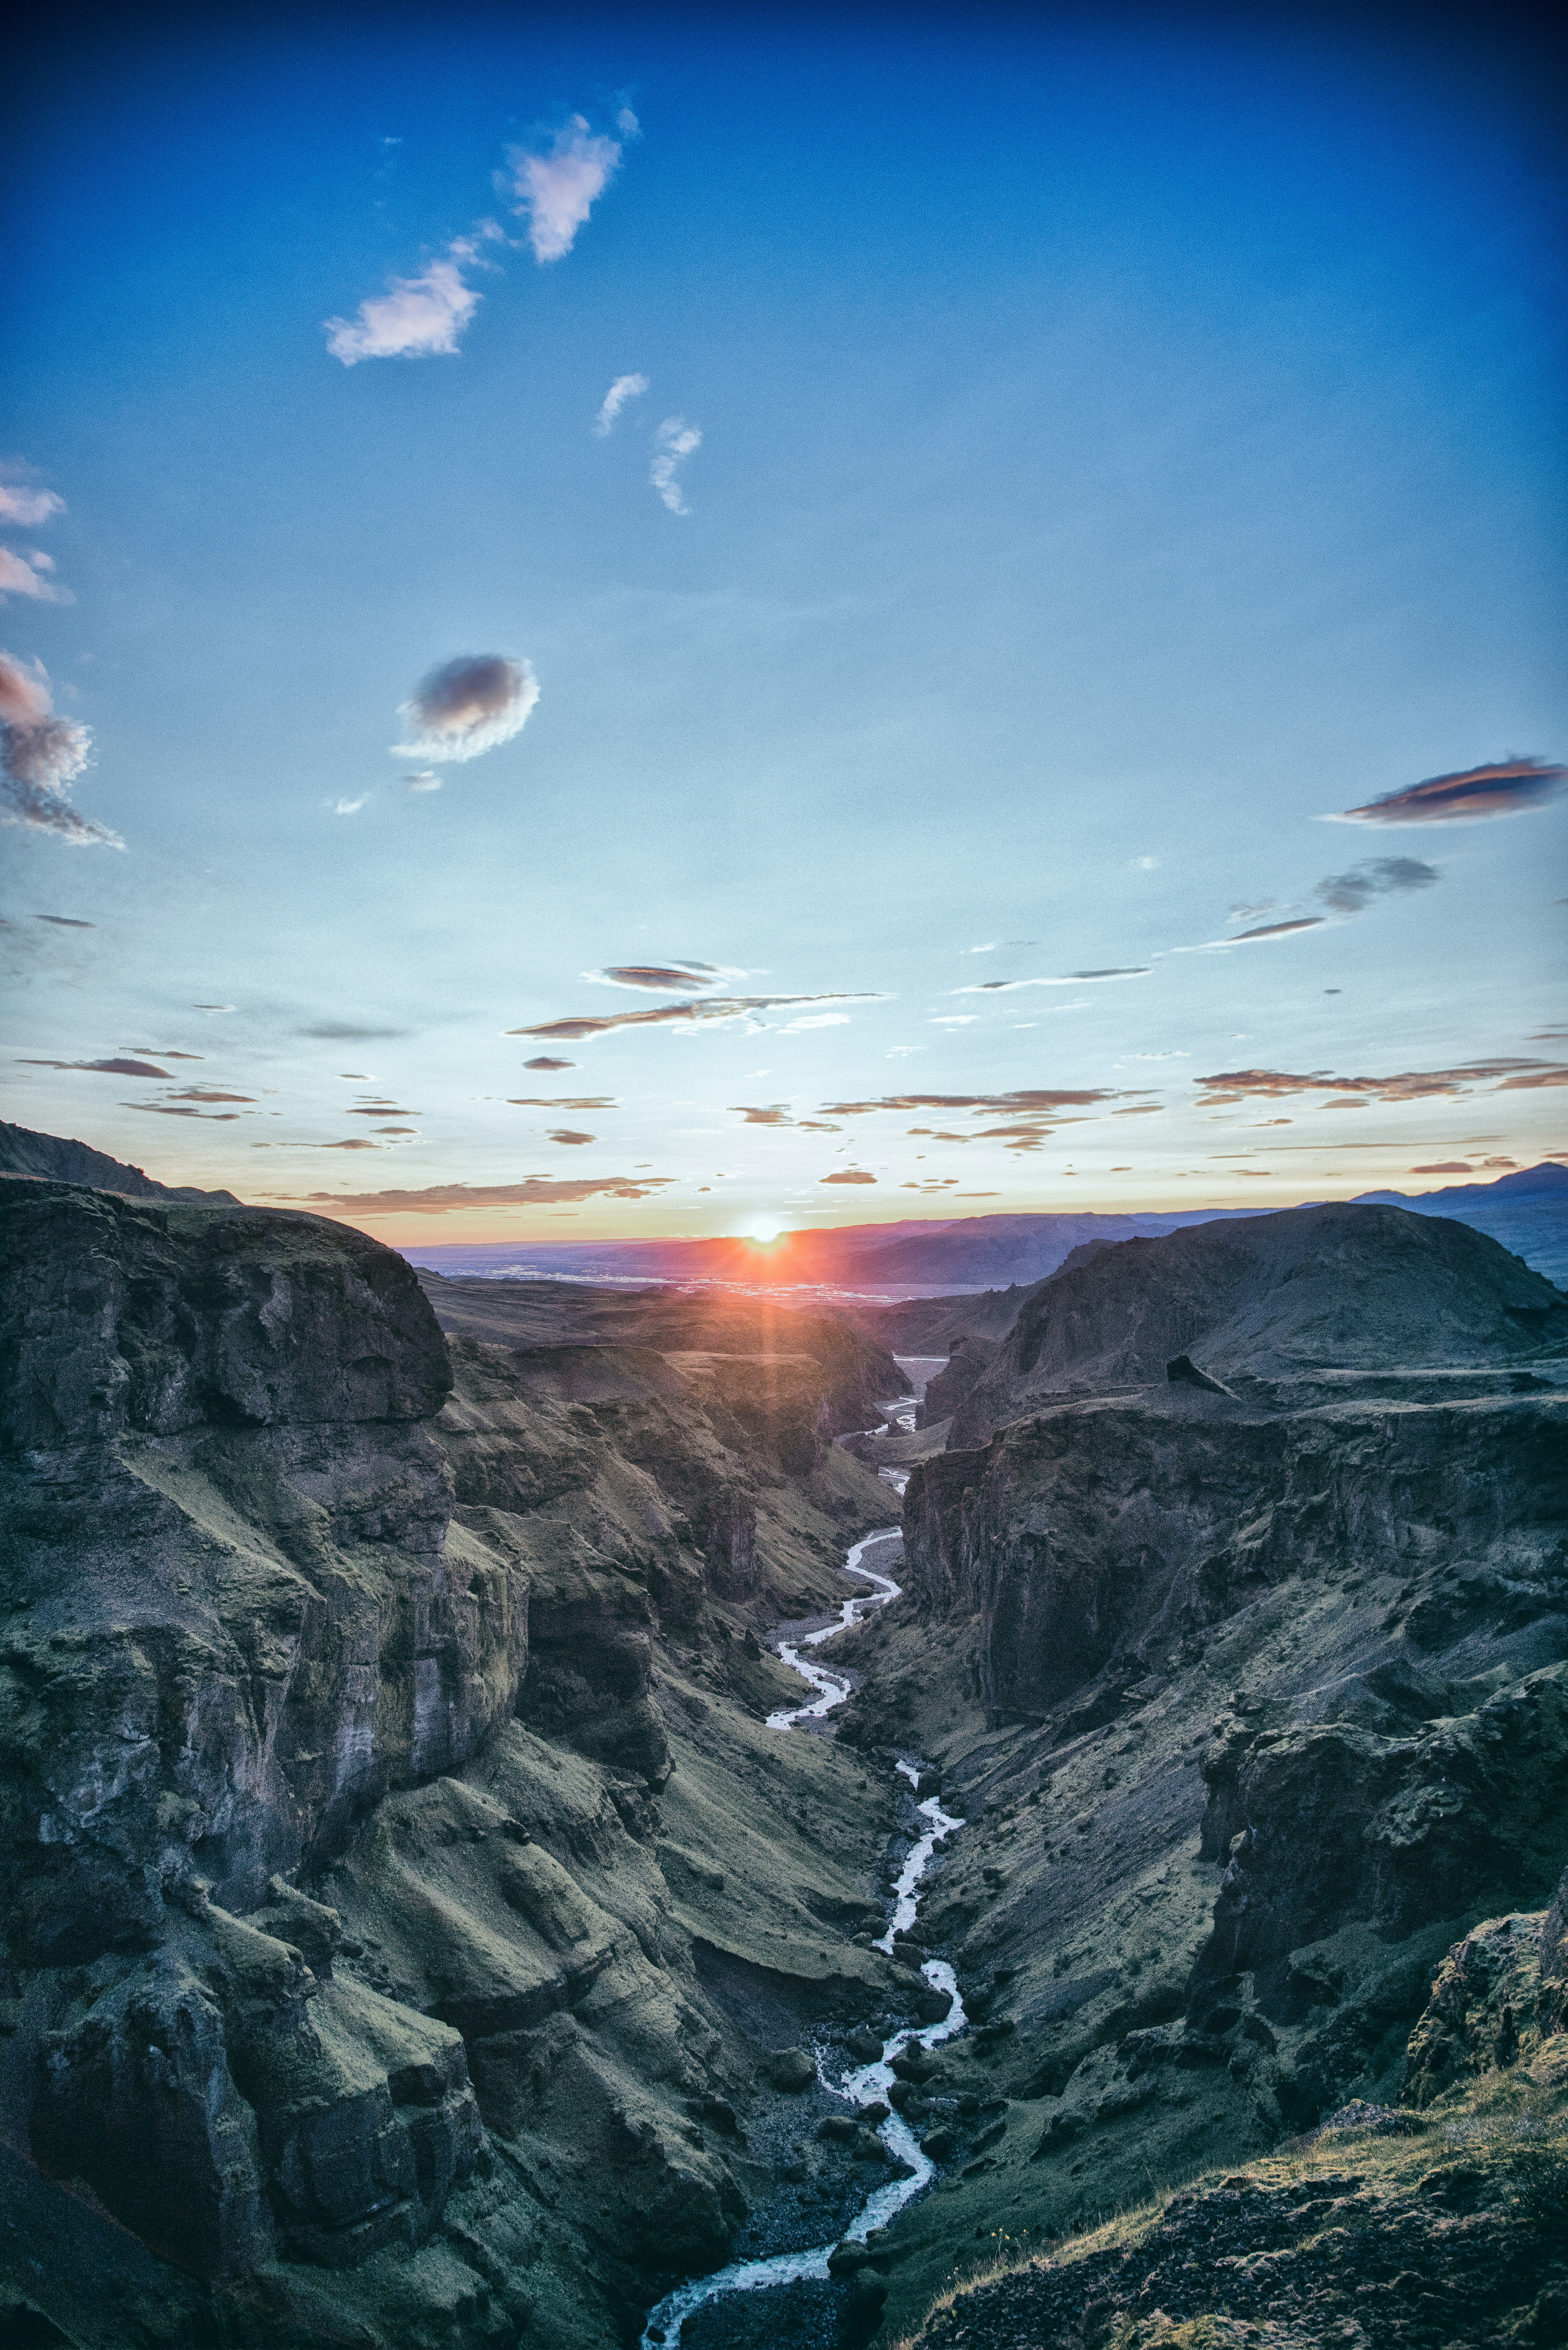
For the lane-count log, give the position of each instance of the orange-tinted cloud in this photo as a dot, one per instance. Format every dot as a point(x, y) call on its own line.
point(543, 1061)
point(540, 1101)
point(565, 1134)
point(999, 1104)
point(447, 1199)
point(664, 978)
point(1510, 788)
point(849, 1175)
point(1414, 1085)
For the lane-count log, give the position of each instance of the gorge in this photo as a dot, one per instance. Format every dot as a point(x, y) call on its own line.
point(432, 1916)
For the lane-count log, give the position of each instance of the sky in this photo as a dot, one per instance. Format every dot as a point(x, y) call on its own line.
point(640, 625)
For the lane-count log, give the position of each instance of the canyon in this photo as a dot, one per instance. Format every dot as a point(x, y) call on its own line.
point(420, 1926)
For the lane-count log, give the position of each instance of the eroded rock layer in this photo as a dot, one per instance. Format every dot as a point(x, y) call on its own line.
point(354, 1973)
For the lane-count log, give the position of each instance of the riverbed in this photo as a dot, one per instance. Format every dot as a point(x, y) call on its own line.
point(864, 2085)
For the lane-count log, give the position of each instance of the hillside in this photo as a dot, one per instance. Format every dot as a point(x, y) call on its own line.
point(1526, 1211)
point(1337, 1289)
point(400, 1834)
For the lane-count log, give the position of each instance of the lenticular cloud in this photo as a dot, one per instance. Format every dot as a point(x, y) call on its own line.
point(40, 758)
point(467, 706)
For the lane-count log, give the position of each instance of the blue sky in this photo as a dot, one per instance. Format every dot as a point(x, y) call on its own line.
point(1120, 448)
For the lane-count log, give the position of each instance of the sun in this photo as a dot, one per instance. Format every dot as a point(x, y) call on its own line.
point(763, 1229)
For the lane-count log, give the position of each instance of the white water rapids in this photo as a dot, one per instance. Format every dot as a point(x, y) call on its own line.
point(866, 2083)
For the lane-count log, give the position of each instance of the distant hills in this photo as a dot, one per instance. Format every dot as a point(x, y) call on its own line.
point(1526, 1211)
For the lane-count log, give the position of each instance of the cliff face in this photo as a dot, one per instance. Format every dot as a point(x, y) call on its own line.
point(349, 1960)
point(235, 1620)
point(1256, 1699)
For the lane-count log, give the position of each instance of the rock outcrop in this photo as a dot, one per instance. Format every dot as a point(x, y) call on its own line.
point(52, 1156)
point(1346, 1289)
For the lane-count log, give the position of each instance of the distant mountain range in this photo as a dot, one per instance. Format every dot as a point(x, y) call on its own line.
point(1526, 1211)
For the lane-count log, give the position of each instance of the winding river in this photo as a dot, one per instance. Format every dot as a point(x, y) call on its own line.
point(865, 2084)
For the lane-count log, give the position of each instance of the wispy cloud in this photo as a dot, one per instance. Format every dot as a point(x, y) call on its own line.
point(722, 1007)
point(775, 1114)
point(423, 316)
point(40, 758)
point(1347, 893)
point(331, 1032)
point(673, 443)
point(558, 1101)
point(555, 191)
point(28, 576)
point(427, 781)
point(1231, 1085)
point(448, 1198)
point(349, 808)
point(23, 503)
point(1043, 1101)
point(624, 388)
point(66, 921)
point(1030, 1117)
point(1510, 787)
point(1070, 979)
point(546, 1061)
point(466, 706)
point(121, 1067)
point(816, 1019)
point(416, 318)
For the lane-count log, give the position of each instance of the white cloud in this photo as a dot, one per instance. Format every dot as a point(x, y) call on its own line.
point(676, 440)
point(900, 1052)
point(40, 758)
point(20, 503)
point(954, 1020)
point(415, 319)
point(467, 706)
point(556, 192)
point(424, 782)
point(817, 1020)
point(349, 808)
point(627, 123)
point(28, 576)
point(624, 388)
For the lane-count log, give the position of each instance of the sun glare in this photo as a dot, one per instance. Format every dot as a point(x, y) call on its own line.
point(763, 1229)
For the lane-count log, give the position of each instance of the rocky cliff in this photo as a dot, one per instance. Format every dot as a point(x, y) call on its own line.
point(1255, 1694)
point(359, 1947)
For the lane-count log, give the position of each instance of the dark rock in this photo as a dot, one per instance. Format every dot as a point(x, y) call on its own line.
point(790, 2069)
point(1182, 1371)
